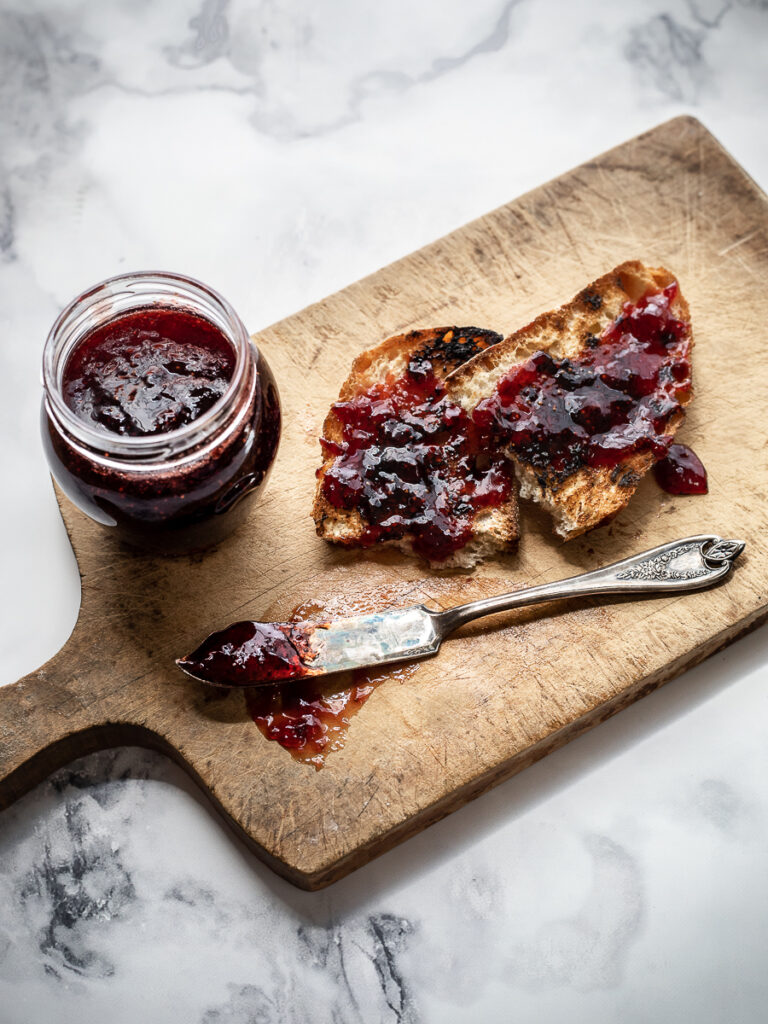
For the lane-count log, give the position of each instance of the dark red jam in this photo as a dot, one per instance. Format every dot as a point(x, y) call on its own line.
point(141, 376)
point(310, 718)
point(614, 400)
point(413, 462)
point(307, 719)
point(249, 653)
point(681, 471)
point(148, 372)
point(307, 715)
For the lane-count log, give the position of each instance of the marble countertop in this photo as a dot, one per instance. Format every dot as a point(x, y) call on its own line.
point(279, 150)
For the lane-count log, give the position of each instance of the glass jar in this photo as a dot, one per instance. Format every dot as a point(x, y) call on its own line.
point(168, 492)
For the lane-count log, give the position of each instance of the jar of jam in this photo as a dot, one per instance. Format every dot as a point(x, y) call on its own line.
point(160, 417)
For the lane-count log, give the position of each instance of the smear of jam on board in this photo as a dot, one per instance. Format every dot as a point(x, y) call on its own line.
point(309, 716)
point(413, 462)
point(681, 471)
point(310, 719)
point(148, 371)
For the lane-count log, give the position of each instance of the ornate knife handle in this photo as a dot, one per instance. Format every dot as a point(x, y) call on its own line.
point(688, 564)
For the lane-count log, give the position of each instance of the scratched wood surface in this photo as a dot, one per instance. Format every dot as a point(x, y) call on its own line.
point(501, 694)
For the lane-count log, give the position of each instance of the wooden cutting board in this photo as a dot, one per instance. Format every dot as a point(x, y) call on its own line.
point(501, 694)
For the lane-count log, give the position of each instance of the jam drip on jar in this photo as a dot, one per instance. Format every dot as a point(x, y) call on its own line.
point(410, 462)
point(248, 653)
point(681, 471)
point(148, 372)
point(615, 399)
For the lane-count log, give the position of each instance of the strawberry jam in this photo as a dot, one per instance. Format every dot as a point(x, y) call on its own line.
point(681, 471)
point(248, 653)
point(413, 462)
point(148, 372)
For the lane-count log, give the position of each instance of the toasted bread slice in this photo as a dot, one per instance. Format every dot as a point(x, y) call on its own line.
point(444, 349)
point(589, 497)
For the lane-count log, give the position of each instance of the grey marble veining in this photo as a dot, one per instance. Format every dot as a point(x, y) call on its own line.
point(279, 150)
point(620, 879)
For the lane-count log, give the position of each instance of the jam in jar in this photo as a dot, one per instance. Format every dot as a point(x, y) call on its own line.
point(160, 418)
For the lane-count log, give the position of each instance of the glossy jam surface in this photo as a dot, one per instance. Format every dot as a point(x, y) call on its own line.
point(412, 463)
point(248, 653)
point(415, 463)
point(310, 719)
point(182, 504)
point(616, 399)
point(148, 372)
point(681, 471)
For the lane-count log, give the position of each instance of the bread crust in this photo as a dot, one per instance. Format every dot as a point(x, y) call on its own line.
point(471, 362)
point(590, 497)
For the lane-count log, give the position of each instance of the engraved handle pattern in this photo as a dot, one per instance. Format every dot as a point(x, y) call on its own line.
point(687, 564)
point(724, 551)
point(706, 558)
point(676, 565)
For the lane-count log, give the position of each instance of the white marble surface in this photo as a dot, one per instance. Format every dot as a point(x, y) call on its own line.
point(280, 150)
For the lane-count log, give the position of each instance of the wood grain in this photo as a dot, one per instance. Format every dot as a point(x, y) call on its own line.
point(501, 694)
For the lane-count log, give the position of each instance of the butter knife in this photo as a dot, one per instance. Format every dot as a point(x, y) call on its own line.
point(258, 654)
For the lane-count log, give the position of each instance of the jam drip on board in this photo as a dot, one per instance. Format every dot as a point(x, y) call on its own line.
point(681, 471)
point(414, 463)
point(411, 462)
point(249, 653)
point(310, 719)
point(148, 372)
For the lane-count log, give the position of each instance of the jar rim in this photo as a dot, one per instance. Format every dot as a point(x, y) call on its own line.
point(172, 289)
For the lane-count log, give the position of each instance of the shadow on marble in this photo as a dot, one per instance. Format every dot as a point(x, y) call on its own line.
point(463, 829)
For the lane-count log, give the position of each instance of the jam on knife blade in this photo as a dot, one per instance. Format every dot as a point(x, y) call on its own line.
point(250, 653)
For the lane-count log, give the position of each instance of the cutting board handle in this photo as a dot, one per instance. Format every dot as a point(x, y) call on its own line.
point(45, 721)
